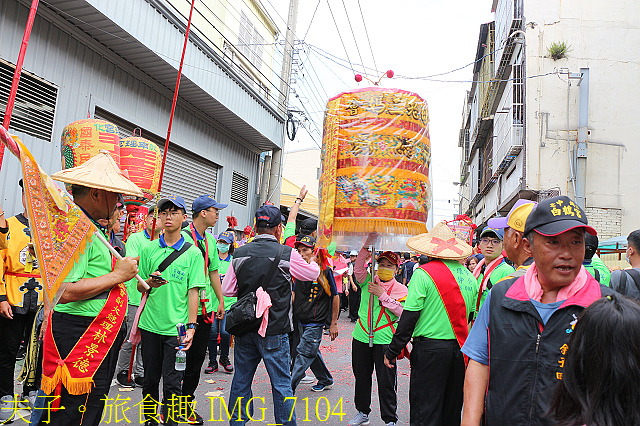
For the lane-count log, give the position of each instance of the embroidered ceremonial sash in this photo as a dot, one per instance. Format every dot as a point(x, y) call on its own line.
point(485, 278)
point(76, 371)
point(451, 296)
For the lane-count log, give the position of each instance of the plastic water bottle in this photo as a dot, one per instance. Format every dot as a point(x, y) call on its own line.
point(181, 359)
point(181, 355)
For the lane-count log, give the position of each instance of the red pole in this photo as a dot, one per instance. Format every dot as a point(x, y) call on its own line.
point(16, 75)
point(173, 109)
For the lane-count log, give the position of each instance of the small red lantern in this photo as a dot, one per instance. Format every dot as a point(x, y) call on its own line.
point(390, 74)
point(358, 78)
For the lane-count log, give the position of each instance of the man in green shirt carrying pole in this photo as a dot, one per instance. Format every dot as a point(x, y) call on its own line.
point(205, 212)
point(94, 290)
point(441, 298)
point(173, 299)
point(134, 245)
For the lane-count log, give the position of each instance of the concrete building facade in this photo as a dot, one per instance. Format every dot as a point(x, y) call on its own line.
point(534, 126)
point(118, 60)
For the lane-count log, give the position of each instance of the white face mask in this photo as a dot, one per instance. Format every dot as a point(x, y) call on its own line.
point(224, 248)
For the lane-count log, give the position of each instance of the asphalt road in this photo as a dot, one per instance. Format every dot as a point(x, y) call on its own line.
point(312, 408)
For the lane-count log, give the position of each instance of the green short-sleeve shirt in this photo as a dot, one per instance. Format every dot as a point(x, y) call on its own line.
point(214, 264)
point(603, 271)
point(134, 245)
point(222, 270)
point(497, 274)
point(289, 230)
point(424, 297)
point(168, 305)
point(94, 262)
point(384, 335)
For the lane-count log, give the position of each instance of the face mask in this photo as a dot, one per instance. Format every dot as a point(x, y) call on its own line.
point(223, 247)
point(385, 274)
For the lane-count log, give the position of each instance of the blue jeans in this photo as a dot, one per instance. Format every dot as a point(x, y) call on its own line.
point(225, 339)
point(309, 356)
point(274, 351)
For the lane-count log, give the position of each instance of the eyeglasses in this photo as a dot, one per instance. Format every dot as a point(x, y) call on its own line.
point(172, 214)
point(216, 211)
point(491, 241)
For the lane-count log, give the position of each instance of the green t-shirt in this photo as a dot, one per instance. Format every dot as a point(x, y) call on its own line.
point(168, 305)
point(603, 271)
point(94, 262)
point(498, 273)
point(222, 270)
point(424, 297)
point(134, 245)
point(382, 336)
point(289, 230)
point(214, 265)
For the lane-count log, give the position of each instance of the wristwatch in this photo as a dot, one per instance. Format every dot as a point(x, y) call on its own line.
point(191, 325)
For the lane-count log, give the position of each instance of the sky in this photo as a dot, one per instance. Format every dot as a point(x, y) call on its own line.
point(413, 38)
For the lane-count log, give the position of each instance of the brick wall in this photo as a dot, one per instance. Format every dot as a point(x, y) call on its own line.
point(608, 222)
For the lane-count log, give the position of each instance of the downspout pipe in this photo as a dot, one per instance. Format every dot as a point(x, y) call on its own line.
point(583, 134)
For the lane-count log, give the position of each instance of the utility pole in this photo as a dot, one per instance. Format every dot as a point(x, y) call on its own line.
point(283, 102)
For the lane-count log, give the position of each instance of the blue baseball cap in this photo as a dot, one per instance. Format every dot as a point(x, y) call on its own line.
point(173, 199)
point(205, 202)
point(227, 237)
point(498, 232)
point(268, 216)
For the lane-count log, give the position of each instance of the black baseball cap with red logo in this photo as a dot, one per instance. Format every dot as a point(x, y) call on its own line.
point(268, 216)
point(556, 215)
point(305, 240)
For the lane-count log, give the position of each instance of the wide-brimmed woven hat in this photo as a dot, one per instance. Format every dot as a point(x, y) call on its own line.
point(440, 243)
point(102, 172)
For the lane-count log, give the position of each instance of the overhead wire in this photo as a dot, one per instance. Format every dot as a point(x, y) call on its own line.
point(364, 22)
point(355, 39)
point(311, 22)
point(340, 35)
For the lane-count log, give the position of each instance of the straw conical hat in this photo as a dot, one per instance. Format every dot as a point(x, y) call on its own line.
point(101, 172)
point(441, 243)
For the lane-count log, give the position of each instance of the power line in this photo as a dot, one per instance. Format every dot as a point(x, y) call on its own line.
point(329, 68)
point(340, 35)
point(313, 16)
point(355, 40)
point(368, 40)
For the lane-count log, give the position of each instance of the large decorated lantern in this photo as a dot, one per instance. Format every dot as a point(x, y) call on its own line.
point(375, 168)
point(83, 139)
point(142, 159)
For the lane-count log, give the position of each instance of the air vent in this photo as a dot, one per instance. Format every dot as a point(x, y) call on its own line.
point(239, 189)
point(35, 104)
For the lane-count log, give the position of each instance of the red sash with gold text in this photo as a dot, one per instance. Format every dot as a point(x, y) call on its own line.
point(451, 296)
point(76, 371)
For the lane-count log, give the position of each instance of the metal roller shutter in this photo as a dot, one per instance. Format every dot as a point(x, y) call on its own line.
point(185, 174)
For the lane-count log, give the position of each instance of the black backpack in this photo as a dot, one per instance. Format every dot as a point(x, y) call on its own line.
point(631, 290)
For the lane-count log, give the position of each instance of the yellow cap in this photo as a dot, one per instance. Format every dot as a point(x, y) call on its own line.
point(518, 216)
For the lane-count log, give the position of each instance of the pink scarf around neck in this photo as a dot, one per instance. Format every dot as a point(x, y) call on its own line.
point(490, 267)
point(534, 289)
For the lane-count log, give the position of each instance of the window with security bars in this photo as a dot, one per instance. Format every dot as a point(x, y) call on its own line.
point(239, 189)
point(35, 104)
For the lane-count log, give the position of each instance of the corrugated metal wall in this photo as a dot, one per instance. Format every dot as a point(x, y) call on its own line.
point(90, 77)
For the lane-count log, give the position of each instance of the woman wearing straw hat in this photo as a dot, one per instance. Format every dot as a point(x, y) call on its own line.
point(92, 286)
point(441, 298)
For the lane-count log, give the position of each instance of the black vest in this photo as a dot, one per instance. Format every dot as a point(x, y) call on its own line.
point(251, 264)
point(312, 304)
point(527, 358)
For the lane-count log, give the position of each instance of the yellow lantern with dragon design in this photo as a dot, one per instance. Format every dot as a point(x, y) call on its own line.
point(375, 168)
